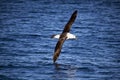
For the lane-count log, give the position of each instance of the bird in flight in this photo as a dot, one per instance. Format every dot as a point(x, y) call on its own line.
point(64, 36)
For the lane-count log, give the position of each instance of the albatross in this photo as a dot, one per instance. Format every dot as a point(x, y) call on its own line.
point(64, 36)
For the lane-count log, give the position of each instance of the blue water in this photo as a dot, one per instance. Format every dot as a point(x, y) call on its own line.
point(26, 49)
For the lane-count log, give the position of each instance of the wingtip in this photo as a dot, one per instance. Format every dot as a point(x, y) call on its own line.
point(54, 59)
point(75, 11)
point(74, 14)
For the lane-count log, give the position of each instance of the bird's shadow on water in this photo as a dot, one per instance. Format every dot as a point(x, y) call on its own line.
point(63, 71)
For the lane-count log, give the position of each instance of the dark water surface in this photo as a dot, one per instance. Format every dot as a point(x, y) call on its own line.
point(26, 48)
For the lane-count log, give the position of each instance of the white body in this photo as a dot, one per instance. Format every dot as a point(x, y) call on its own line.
point(69, 36)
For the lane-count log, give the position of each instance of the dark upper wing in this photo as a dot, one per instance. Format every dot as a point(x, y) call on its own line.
point(58, 47)
point(70, 22)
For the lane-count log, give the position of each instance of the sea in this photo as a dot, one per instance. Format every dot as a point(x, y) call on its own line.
point(26, 46)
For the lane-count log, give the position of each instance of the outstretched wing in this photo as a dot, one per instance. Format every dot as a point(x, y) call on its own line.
point(59, 46)
point(63, 36)
point(70, 22)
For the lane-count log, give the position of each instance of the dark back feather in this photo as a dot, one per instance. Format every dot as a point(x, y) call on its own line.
point(70, 22)
point(58, 46)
